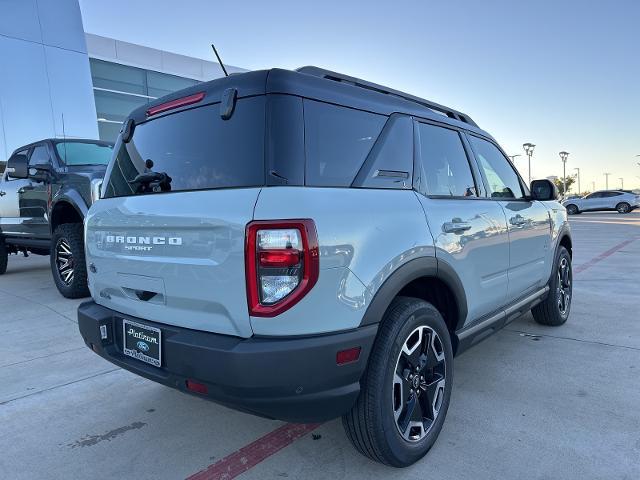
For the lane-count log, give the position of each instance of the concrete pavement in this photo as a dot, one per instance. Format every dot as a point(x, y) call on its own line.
point(530, 402)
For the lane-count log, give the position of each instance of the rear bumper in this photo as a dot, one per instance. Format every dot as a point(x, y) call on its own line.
point(291, 379)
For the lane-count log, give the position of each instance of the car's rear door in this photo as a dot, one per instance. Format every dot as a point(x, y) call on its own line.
point(528, 220)
point(469, 231)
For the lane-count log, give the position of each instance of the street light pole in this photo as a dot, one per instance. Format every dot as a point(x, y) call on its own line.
point(528, 149)
point(563, 156)
point(513, 157)
point(579, 190)
point(621, 183)
point(606, 180)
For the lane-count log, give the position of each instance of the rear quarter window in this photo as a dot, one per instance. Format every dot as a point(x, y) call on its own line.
point(196, 148)
point(337, 141)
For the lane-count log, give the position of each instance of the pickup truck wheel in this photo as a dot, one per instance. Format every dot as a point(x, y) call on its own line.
point(554, 310)
point(4, 256)
point(68, 263)
point(406, 388)
point(623, 207)
point(572, 209)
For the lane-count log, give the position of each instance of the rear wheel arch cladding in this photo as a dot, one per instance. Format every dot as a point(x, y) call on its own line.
point(423, 267)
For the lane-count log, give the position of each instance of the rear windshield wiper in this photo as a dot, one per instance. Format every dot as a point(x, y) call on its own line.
point(151, 182)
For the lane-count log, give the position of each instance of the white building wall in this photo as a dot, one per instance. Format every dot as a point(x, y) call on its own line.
point(133, 55)
point(44, 73)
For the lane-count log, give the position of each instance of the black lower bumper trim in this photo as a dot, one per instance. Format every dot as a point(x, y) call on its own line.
point(291, 379)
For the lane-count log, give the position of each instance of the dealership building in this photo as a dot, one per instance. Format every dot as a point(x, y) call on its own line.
point(57, 80)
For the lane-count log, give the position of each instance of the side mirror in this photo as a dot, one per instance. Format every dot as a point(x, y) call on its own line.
point(544, 190)
point(18, 166)
point(40, 173)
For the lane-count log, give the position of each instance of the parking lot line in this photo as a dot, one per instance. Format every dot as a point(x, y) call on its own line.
point(603, 255)
point(250, 455)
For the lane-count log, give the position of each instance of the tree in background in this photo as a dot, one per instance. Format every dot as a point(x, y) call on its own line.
point(571, 179)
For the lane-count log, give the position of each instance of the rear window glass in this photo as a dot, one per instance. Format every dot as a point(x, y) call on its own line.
point(77, 153)
point(337, 141)
point(195, 150)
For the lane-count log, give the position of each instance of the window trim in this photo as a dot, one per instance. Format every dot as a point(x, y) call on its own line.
point(417, 161)
point(526, 194)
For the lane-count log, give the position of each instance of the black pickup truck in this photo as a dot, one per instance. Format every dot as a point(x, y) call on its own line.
point(45, 192)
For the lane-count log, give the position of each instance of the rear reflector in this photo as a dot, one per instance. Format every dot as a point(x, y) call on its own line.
point(178, 102)
point(348, 356)
point(197, 387)
point(279, 258)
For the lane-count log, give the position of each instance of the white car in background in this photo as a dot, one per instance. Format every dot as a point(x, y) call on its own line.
point(620, 200)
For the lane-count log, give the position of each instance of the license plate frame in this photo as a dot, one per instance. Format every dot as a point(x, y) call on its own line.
point(134, 338)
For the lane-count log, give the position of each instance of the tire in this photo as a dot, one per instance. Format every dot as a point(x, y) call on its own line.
point(572, 209)
point(555, 309)
point(4, 256)
point(375, 423)
point(623, 207)
point(67, 245)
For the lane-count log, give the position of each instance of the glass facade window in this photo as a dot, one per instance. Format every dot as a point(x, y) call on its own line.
point(119, 89)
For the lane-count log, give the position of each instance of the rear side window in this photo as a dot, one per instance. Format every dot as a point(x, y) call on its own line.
point(445, 167)
point(502, 180)
point(196, 149)
point(337, 141)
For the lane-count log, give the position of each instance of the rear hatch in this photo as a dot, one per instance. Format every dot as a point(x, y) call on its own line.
point(167, 239)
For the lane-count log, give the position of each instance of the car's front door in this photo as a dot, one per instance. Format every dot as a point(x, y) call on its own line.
point(470, 232)
point(33, 196)
point(593, 201)
point(10, 218)
point(528, 220)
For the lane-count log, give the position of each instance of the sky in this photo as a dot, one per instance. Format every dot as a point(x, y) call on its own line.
point(563, 74)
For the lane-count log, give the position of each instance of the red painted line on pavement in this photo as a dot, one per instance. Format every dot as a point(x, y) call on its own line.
point(249, 456)
point(603, 255)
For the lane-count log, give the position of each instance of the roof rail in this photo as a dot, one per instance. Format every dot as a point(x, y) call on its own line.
point(339, 77)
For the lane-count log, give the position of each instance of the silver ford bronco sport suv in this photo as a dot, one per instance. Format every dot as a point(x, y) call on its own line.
point(304, 245)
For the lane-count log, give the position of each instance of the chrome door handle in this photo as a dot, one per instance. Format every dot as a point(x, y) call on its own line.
point(456, 227)
point(2, 194)
point(517, 220)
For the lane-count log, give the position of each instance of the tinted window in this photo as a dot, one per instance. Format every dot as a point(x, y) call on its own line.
point(612, 194)
point(594, 195)
point(77, 153)
point(390, 162)
point(196, 149)
point(39, 156)
point(445, 167)
point(502, 180)
point(337, 140)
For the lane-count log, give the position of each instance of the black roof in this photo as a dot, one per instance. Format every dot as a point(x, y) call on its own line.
point(323, 85)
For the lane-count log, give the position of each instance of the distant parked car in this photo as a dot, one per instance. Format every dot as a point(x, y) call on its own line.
point(619, 200)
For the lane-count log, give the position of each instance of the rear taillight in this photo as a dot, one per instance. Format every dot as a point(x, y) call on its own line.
point(282, 264)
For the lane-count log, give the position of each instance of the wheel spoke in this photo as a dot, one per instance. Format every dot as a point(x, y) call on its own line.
point(419, 383)
point(64, 261)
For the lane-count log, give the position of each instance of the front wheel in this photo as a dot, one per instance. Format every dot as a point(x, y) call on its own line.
point(554, 310)
point(623, 207)
point(406, 388)
point(572, 209)
point(68, 263)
